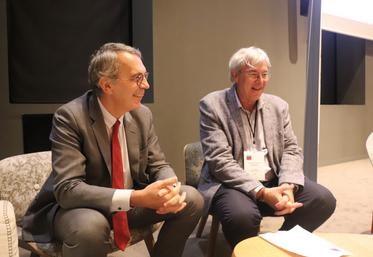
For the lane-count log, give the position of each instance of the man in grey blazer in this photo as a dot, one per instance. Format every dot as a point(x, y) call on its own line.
point(253, 165)
point(77, 202)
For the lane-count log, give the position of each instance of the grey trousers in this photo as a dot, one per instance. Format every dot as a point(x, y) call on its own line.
point(240, 215)
point(85, 232)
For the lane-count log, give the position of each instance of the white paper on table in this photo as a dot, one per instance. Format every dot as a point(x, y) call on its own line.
point(302, 242)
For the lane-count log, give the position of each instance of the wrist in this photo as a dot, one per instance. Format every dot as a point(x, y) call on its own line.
point(135, 198)
point(260, 194)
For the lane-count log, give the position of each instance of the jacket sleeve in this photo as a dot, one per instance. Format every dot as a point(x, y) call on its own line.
point(291, 168)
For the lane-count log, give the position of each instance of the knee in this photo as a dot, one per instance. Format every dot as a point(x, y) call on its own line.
point(193, 199)
point(239, 220)
point(329, 201)
point(92, 227)
point(325, 201)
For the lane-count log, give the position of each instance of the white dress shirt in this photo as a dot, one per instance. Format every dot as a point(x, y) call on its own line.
point(121, 197)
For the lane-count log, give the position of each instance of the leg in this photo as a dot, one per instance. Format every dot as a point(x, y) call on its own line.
point(238, 214)
point(318, 205)
point(83, 232)
point(176, 228)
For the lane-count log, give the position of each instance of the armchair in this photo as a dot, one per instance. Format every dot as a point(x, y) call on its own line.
point(21, 178)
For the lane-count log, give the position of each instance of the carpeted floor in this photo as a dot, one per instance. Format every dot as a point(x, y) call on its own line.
point(350, 182)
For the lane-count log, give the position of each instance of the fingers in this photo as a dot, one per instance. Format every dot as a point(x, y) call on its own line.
point(286, 187)
point(167, 186)
point(177, 199)
point(167, 182)
point(173, 209)
point(176, 204)
point(289, 208)
point(282, 203)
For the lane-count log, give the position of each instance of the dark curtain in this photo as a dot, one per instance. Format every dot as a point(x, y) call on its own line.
point(50, 43)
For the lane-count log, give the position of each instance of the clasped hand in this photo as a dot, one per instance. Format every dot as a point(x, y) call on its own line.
point(281, 199)
point(163, 196)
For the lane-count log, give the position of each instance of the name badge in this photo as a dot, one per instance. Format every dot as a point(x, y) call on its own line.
point(255, 164)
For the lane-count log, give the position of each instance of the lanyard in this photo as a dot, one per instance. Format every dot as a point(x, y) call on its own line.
point(252, 130)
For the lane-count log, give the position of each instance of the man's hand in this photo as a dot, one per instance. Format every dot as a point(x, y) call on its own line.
point(280, 198)
point(162, 195)
point(288, 205)
point(176, 201)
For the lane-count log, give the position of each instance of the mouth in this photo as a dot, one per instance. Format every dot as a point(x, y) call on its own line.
point(257, 89)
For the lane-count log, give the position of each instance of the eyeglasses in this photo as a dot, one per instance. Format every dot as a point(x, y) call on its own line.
point(139, 78)
point(256, 75)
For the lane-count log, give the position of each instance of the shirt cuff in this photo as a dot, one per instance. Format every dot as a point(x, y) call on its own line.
point(256, 190)
point(121, 200)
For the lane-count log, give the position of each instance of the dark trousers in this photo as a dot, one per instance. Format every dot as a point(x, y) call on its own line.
point(86, 232)
point(240, 215)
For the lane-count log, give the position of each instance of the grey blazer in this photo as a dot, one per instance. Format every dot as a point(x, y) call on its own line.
point(223, 142)
point(81, 159)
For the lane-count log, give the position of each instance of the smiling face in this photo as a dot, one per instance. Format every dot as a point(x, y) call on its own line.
point(124, 93)
point(251, 82)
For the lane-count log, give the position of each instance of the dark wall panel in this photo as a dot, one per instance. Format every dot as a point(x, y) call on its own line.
point(50, 43)
point(342, 69)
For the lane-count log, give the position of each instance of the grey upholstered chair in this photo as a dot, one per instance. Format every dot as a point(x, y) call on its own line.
point(193, 157)
point(21, 178)
point(369, 146)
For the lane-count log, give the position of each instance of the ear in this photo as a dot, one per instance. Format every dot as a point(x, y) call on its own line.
point(105, 85)
point(234, 76)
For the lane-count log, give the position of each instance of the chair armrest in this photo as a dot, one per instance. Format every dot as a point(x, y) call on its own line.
point(8, 230)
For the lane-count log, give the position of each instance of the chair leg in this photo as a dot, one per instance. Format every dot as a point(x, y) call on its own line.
point(201, 225)
point(212, 237)
point(371, 229)
point(33, 248)
point(149, 242)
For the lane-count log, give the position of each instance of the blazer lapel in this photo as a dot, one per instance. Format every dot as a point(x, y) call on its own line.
point(236, 115)
point(99, 130)
point(269, 127)
point(133, 147)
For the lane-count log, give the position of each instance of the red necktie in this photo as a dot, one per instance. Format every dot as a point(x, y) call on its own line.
point(120, 224)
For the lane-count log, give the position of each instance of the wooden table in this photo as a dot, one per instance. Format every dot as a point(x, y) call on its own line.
point(359, 245)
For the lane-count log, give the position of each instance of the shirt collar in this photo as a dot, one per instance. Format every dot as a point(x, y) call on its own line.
point(108, 118)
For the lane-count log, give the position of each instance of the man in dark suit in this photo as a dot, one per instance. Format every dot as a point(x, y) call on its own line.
point(77, 203)
point(253, 164)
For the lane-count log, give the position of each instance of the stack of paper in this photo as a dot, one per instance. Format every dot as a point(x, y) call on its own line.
point(302, 242)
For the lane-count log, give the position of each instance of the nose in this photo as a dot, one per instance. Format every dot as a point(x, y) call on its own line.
point(144, 84)
point(260, 78)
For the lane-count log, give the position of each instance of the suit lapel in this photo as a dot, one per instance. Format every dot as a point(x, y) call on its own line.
point(133, 147)
point(269, 128)
point(236, 115)
point(99, 130)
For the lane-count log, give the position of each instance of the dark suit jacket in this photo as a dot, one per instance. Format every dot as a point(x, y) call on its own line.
point(81, 159)
point(224, 141)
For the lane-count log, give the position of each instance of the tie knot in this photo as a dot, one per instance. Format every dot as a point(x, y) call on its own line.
point(116, 127)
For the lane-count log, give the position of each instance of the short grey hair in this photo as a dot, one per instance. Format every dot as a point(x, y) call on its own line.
point(104, 63)
point(250, 56)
